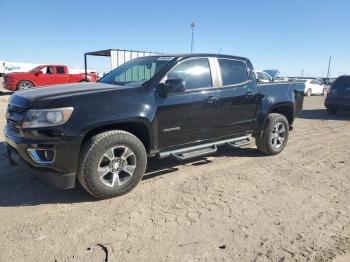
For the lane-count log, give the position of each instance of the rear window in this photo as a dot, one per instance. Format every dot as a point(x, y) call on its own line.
point(342, 82)
point(60, 70)
point(233, 72)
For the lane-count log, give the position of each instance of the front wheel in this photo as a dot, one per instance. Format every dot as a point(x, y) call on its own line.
point(23, 85)
point(111, 164)
point(273, 138)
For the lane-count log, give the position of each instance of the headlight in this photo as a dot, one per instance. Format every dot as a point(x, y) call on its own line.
point(47, 117)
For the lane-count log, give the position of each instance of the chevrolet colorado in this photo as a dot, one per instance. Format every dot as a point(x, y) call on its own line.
point(179, 106)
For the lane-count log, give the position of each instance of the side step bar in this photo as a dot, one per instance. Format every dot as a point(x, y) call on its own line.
point(240, 143)
point(204, 149)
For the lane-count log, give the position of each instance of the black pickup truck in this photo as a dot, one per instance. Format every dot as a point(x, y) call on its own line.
point(179, 106)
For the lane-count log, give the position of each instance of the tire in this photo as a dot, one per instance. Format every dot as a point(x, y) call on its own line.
point(103, 154)
point(268, 142)
point(308, 92)
point(331, 111)
point(324, 92)
point(23, 85)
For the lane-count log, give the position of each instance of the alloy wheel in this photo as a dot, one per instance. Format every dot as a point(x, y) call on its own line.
point(24, 86)
point(278, 135)
point(116, 166)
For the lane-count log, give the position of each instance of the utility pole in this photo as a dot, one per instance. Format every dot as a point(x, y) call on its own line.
point(329, 68)
point(302, 72)
point(192, 39)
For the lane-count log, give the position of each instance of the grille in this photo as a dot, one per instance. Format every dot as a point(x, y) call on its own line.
point(15, 116)
point(13, 125)
point(16, 109)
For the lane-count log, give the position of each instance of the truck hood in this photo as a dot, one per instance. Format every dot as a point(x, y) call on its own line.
point(272, 72)
point(26, 98)
point(16, 74)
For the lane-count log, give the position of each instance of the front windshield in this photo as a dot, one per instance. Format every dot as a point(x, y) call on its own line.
point(136, 72)
point(34, 69)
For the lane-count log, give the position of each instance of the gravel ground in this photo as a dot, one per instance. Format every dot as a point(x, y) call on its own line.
point(236, 205)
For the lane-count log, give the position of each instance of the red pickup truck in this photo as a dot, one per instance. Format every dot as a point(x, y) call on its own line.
point(44, 75)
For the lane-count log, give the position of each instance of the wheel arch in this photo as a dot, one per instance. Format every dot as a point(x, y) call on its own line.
point(286, 109)
point(138, 128)
point(283, 108)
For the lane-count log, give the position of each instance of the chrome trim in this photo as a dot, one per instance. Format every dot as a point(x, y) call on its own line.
point(35, 157)
point(215, 80)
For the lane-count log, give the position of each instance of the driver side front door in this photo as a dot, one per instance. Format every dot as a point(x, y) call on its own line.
point(186, 117)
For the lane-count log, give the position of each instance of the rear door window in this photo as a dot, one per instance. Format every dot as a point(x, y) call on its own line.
point(233, 72)
point(342, 84)
point(60, 70)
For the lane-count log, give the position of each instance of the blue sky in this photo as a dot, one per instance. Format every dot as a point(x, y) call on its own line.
point(288, 35)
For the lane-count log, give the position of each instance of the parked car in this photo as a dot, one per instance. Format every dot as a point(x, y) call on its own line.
point(273, 73)
point(314, 87)
point(263, 76)
point(283, 79)
point(267, 75)
point(44, 75)
point(338, 96)
point(181, 106)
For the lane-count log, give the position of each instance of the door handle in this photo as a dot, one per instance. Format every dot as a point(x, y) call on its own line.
point(211, 100)
point(249, 94)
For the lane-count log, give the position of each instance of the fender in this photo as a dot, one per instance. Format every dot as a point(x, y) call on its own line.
point(265, 108)
point(139, 126)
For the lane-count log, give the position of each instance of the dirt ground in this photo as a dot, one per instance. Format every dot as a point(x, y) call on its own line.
point(236, 205)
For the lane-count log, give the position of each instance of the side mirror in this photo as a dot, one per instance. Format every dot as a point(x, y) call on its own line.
point(38, 73)
point(172, 86)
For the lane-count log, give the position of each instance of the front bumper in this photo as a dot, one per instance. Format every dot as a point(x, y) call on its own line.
point(11, 86)
point(61, 172)
point(64, 181)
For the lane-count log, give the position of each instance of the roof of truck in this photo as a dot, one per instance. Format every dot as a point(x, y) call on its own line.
point(203, 54)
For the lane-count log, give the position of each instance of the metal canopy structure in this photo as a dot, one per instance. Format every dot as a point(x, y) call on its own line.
point(118, 56)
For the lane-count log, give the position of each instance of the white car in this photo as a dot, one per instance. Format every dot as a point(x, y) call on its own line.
point(314, 87)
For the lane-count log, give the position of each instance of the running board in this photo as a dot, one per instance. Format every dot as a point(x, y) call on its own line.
point(240, 143)
point(195, 153)
point(204, 149)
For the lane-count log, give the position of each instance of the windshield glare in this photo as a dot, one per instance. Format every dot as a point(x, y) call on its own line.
point(136, 72)
point(34, 69)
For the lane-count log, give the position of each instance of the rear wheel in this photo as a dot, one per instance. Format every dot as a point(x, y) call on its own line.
point(309, 92)
point(324, 91)
point(274, 136)
point(111, 164)
point(23, 85)
point(331, 111)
